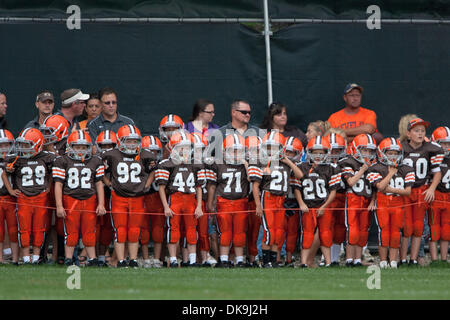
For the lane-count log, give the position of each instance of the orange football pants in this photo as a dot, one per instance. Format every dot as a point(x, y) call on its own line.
point(126, 217)
point(104, 230)
point(254, 223)
point(415, 212)
point(339, 229)
point(202, 229)
point(8, 214)
point(232, 226)
point(153, 204)
point(32, 217)
point(439, 217)
point(80, 214)
point(308, 228)
point(291, 226)
point(183, 205)
point(357, 220)
point(389, 216)
point(273, 219)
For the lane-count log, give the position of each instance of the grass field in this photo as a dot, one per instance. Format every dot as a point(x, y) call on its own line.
point(49, 282)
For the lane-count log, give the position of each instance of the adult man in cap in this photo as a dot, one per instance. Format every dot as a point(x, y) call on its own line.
point(45, 103)
point(353, 118)
point(73, 102)
point(109, 119)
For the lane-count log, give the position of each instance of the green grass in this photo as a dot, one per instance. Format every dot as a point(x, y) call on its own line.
point(49, 282)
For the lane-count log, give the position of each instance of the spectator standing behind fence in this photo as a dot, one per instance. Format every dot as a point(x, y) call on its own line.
point(92, 110)
point(73, 102)
point(45, 102)
point(276, 118)
point(3, 107)
point(201, 119)
point(353, 118)
point(109, 118)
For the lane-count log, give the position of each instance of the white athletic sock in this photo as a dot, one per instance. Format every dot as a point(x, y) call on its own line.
point(173, 259)
point(192, 258)
point(26, 258)
point(35, 257)
point(335, 251)
point(349, 260)
point(239, 259)
point(356, 261)
point(224, 258)
point(7, 251)
point(102, 258)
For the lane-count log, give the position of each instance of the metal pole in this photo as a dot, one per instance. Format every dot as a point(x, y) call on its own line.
point(267, 34)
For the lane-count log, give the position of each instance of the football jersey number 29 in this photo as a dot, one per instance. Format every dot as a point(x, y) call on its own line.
point(129, 173)
point(27, 176)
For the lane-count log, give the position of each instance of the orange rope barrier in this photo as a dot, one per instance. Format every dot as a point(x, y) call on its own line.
point(227, 212)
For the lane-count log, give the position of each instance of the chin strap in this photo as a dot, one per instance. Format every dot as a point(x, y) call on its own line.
point(138, 156)
point(267, 168)
point(11, 165)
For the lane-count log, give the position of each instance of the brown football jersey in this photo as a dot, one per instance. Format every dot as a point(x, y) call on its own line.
point(444, 185)
point(3, 190)
point(349, 167)
point(425, 160)
point(179, 178)
point(274, 179)
point(32, 176)
point(230, 180)
point(78, 178)
point(402, 179)
point(127, 174)
point(61, 147)
point(317, 183)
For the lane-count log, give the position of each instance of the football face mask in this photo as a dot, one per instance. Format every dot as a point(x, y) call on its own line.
point(131, 145)
point(234, 155)
point(80, 151)
point(181, 153)
point(366, 155)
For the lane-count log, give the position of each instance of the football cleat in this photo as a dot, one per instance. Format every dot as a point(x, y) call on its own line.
point(92, 262)
point(394, 264)
point(174, 265)
point(413, 263)
point(122, 264)
point(240, 264)
point(384, 264)
point(68, 262)
point(349, 264)
point(133, 264)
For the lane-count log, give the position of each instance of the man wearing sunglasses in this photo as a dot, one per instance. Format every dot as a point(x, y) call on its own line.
point(240, 118)
point(109, 118)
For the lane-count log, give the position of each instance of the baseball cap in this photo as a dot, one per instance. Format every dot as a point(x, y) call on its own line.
point(44, 96)
point(416, 122)
point(349, 87)
point(71, 95)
